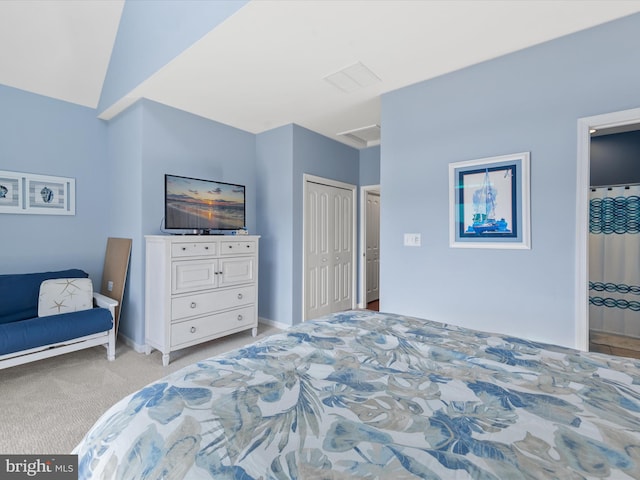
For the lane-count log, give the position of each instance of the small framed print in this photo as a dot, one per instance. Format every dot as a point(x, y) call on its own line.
point(49, 195)
point(11, 198)
point(489, 202)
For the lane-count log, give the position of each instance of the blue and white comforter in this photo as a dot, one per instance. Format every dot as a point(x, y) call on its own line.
point(372, 395)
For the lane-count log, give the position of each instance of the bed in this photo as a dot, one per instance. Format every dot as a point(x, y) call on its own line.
point(375, 395)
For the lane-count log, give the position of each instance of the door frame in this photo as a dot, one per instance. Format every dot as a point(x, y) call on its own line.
point(363, 242)
point(306, 179)
point(607, 120)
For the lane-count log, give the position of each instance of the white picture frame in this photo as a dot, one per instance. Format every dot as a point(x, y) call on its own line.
point(29, 193)
point(48, 195)
point(489, 202)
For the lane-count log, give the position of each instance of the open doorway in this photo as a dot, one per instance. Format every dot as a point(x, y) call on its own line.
point(370, 247)
point(614, 241)
point(586, 126)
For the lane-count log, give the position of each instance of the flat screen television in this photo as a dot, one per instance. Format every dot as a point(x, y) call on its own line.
point(202, 206)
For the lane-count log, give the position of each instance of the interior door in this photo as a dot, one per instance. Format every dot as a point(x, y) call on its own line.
point(317, 255)
point(372, 254)
point(341, 231)
point(328, 249)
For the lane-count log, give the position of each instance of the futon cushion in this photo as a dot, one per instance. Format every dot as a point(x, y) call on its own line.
point(19, 293)
point(64, 295)
point(40, 331)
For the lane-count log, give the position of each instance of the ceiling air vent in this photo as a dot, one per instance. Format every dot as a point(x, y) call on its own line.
point(364, 136)
point(353, 78)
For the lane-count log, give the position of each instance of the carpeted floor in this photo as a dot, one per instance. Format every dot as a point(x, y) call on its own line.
point(46, 407)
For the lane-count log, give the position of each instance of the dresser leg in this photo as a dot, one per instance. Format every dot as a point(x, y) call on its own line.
point(254, 331)
point(165, 359)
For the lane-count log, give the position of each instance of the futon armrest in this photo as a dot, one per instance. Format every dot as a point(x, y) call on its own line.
point(106, 302)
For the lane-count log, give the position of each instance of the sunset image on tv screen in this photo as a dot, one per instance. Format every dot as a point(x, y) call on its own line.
point(203, 204)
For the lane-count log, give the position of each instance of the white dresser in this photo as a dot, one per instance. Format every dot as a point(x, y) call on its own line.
point(198, 288)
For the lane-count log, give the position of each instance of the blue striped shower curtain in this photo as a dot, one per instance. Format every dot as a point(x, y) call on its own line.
point(614, 260)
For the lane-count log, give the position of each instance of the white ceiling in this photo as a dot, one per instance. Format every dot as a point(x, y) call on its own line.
point(56, 48)
point(266, 65)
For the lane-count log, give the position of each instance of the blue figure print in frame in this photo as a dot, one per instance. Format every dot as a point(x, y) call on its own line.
point(491, 194)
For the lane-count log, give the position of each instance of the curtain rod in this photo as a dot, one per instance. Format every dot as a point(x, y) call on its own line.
point(625, 185)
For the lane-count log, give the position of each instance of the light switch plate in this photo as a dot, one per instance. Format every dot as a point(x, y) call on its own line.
point(412, 240)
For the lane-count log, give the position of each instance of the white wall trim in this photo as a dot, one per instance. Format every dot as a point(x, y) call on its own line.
point(138, 348)
point(363, 246)
point(273, 323)
point(308, 178)
point(581, 308)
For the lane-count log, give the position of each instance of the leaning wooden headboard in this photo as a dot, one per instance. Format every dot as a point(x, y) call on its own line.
point(114, 273)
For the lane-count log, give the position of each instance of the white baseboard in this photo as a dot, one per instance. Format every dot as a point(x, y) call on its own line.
point(130, 343)
point(273, 323)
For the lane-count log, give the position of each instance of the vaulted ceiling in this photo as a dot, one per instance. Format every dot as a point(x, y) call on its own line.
point(321, 64)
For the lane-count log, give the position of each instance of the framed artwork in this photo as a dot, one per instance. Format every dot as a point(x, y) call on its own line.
point(37, 194)
point(489, 203)
point(50, 195)
point(11, 199)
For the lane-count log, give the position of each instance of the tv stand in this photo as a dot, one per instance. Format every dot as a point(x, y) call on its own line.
point(199, 288)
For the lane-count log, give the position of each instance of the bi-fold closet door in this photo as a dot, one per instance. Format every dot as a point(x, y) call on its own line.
point(328, 249)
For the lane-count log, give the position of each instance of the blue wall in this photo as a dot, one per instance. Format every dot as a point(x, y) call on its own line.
point(369, 166)
point(274, 170)
point(184, 144)
point(50, 137)
point(147, 141)
point(124, 150)
point(526, 101)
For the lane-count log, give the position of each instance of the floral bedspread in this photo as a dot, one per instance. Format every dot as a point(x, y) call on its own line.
point(374, 395)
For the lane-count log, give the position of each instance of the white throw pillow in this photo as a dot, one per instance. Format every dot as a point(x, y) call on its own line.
point(64, 295)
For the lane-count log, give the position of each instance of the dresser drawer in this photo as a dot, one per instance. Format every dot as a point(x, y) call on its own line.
point(228, 247)
point(179, 250)
point(193, 331)
point(189, 276)
point(203, 303)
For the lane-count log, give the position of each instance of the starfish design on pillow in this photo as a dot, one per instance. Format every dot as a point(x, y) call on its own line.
point(68, 282)
point(58, 305)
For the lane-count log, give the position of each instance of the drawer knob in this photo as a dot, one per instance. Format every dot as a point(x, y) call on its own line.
point(193, 304)
point(239, 318)
point(206, 248)
point(193, 329)
point(230, 246)
point(184, 248)
point(248, 246)
point(240, 296)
